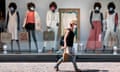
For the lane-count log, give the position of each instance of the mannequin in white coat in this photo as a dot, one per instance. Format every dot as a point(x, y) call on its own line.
point(52, 21)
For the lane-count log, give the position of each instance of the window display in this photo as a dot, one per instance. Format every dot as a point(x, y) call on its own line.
point(39, 27)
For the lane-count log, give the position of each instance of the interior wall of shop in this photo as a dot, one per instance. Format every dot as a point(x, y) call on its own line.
point(42, 7)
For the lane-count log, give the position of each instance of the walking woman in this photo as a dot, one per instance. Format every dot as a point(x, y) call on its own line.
point(32, 23)
point(68, 44)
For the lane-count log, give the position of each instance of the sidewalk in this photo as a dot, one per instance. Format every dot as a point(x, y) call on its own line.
point(64, 67)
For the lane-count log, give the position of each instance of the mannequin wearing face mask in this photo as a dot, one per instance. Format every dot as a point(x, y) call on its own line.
point(96, 19)
point(13, 22)
point(52, 20)
point(32, 23)
point(111, 26)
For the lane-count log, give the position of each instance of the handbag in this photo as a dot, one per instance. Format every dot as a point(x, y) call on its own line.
point(65, 54)
point(6, 37)
point(48, 36)
point(23, 36)
point(62, 41)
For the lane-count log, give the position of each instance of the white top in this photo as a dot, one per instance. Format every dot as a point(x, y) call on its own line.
point(110, 20)
point(96, 17)
point(52, 19)
point(12, 25)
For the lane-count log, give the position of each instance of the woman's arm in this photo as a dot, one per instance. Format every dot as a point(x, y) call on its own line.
point(65, 38)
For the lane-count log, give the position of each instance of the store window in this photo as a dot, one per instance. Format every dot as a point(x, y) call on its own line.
point(23, 34)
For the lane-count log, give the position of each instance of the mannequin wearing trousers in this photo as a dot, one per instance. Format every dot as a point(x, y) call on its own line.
point(94, 41)
point(13, 22)
point(52, 20)
point(111, 27)
point(32, 23)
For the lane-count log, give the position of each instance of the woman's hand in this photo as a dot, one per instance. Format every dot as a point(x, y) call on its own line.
point(63, 47)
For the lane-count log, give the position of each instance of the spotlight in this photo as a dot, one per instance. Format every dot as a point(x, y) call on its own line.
point(115, 50)
point(5, 49)
point(81, 47)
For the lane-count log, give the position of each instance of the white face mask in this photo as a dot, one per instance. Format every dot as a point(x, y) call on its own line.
point(111, 9)
point(97, 8)
point(75, 26)
point(32, 8)
point(11, 8)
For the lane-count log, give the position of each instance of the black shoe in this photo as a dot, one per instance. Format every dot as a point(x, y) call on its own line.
point(78, 70)
point(56, 68)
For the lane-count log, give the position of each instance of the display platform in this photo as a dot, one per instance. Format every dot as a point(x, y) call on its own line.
point(45, 57)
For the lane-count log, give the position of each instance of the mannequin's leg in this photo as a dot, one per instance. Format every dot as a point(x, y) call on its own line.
point(18, 43)
point(11, 45)
point(106, 39)
point(55, 38)
point(44, 46)
point(34, 38)
point(29, 40)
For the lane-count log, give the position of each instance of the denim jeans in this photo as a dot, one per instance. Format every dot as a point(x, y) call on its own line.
point(72, 55)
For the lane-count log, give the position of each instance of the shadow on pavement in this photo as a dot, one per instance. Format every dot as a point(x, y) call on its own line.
point(85, 71)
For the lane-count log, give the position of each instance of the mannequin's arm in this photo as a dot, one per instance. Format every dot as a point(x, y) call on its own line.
point(101, 22)
point(116, 22)
point(48, 19)
point(91, 15)
point(7, 21)
point(18, 21)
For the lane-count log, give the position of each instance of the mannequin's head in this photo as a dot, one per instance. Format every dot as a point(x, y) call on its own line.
point(97, 6)
point(31, 6)
point(53, 6)
point(111, 7)
point(12, 6)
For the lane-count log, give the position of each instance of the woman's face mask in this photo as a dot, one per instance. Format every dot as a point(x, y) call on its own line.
point(75, 26)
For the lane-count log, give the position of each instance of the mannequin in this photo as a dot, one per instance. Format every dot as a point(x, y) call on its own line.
point(52, 21)
point(13, 22)
point(111, 27)
point(96, 22)
point(32, 23)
